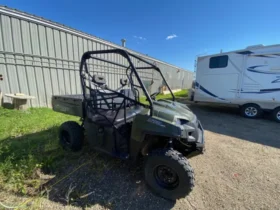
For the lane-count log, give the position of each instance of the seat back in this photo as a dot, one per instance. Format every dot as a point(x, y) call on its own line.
point(106, 105)
point(128, 93)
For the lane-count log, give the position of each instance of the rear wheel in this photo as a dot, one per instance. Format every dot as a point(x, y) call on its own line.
point(276, 114)
point(71, 136)
point(169, 174)
point(251, 111)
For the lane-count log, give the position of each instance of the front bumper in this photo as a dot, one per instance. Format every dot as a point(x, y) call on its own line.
point(200, 140)
point(193, 134)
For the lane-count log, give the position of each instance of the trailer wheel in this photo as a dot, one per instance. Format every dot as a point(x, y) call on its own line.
point(251, 111)
point(276, 114)
point(71, 136)
point(169, 174)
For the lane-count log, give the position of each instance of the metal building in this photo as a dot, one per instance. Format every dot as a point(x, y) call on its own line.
point(41, 58)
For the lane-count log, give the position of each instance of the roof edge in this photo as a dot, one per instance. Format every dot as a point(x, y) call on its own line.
point(245, 49)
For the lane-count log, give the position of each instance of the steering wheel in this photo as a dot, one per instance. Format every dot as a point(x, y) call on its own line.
point(154, 95)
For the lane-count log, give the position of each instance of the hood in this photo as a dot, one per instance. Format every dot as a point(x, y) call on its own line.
point(169, 110)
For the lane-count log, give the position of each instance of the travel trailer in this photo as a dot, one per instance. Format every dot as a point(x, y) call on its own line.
point(248, 78)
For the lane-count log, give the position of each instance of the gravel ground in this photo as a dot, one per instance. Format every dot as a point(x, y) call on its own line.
point(240, 170)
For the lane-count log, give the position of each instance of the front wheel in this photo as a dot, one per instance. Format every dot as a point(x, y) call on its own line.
point(169, 174)
point(251, 111)
point(276, 114)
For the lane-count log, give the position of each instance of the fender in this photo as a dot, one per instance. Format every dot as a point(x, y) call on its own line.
point(144, 125)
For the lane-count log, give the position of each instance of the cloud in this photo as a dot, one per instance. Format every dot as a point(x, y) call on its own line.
point(140, 37)
point(172, 36)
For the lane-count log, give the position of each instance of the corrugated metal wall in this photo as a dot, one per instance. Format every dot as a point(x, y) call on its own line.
point(41, 58)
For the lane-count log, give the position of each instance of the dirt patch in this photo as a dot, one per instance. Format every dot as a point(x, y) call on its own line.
point(240, 170)
point(241, 166)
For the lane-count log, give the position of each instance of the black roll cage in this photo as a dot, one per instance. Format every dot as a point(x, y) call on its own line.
point(126, 55)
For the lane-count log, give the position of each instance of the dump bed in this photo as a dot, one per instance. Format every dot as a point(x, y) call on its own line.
point(68, 104)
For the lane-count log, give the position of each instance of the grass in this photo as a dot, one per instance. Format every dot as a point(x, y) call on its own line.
point(179, 94)
point(28, 143)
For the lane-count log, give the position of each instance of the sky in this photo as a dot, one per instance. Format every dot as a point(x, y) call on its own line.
point(173, 31)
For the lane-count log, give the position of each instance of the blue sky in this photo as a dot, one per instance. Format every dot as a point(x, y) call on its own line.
point(194, 27)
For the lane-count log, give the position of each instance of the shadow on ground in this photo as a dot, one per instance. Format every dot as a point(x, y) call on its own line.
point(82, 179)
point(104, 181)
point(227, 121)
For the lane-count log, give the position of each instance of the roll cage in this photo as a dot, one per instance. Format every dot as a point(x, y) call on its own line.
point(99, 98)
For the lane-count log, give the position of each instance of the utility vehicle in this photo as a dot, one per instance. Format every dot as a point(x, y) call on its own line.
point(117, 121)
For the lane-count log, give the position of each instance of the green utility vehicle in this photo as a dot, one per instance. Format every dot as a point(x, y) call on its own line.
point(116, 121)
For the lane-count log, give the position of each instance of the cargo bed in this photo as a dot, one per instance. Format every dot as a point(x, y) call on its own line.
point(68, 104)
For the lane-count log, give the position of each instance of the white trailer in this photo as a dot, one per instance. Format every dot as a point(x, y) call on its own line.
point(248, 78)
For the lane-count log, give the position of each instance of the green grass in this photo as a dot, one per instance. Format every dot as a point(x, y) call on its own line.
point(28, 142)
point(180, 94)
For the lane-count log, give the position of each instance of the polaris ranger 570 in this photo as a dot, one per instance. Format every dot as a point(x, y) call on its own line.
point(116, 120)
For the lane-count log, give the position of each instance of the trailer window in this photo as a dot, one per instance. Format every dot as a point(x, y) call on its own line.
point(218, 62)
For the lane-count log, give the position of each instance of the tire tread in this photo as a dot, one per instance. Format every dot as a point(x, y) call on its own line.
point(181, 160)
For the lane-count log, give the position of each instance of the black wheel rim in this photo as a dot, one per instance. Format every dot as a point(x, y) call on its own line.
point(65, 137)
point(166, 177)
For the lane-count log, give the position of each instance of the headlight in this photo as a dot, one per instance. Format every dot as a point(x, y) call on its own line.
point(181, 122)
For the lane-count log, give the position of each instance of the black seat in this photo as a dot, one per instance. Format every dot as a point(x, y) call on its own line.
point(128, 93)
point(107, 106)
